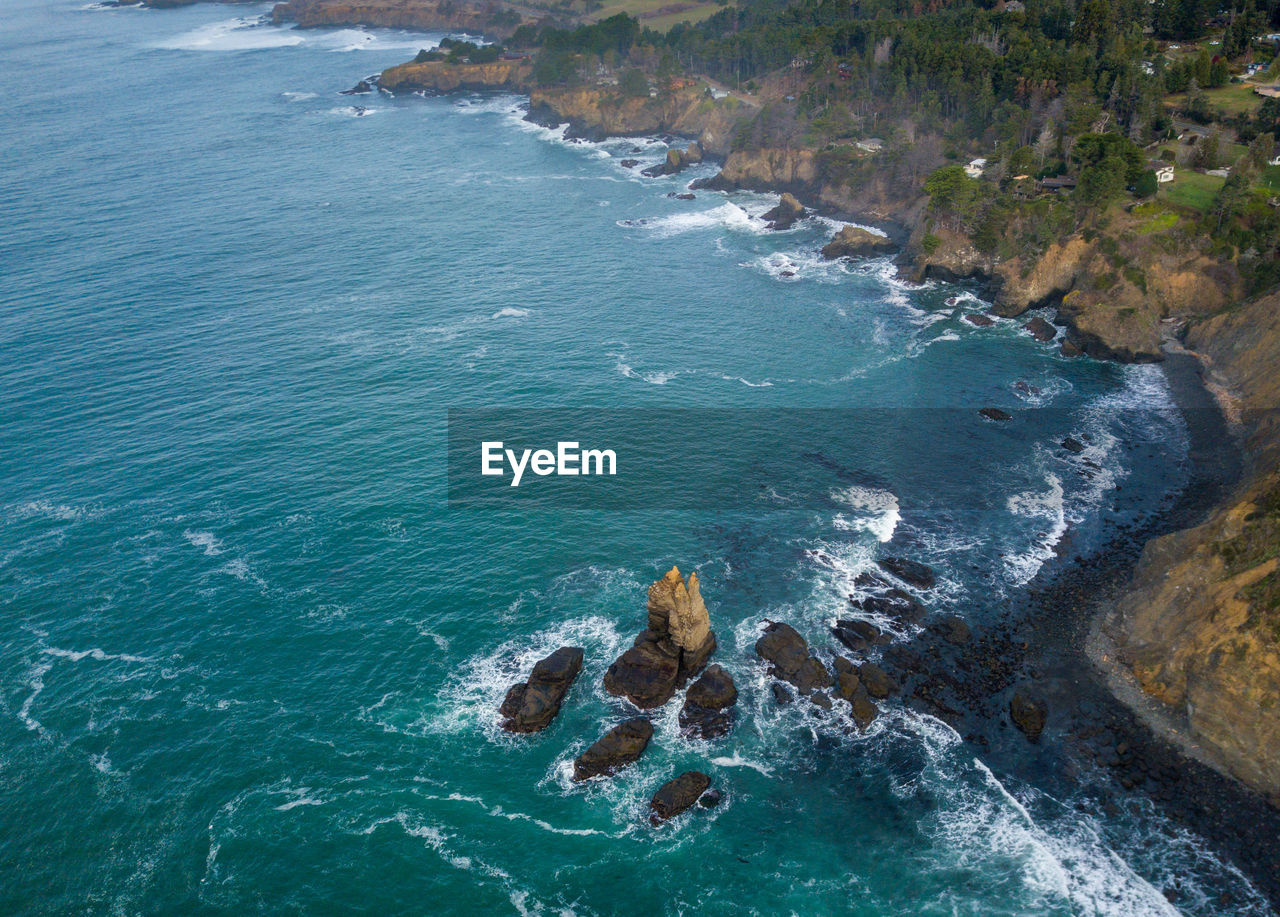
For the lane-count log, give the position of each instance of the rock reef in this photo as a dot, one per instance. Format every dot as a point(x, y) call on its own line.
point(530, 706)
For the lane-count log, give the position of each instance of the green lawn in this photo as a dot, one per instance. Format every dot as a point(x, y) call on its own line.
point(1271, 178)
point(1231, 99)
point(1191, 190)
point(1156, 217)
point(659, 15)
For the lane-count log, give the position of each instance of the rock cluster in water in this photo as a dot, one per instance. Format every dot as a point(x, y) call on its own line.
point(854, 242)
point(785, 215)
point(676, 161)
point(673, 649)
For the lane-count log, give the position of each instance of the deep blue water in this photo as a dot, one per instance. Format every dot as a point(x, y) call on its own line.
point(249, 657)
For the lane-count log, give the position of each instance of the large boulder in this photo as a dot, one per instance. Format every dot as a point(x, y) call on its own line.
point(785, 215)
point(789, 658)
point(620, 747)
point(854, 242)
point(858, 636)
point(646, 674)
point(674, 648)
point(911, 572)
point(675, 796)
point(1028, 714)
point(877, 681)
point(532, 705)
point(676, 161)
point(708, 704)
point(1041, 330)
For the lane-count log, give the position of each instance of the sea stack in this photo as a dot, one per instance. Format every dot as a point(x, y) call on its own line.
point(673, 649)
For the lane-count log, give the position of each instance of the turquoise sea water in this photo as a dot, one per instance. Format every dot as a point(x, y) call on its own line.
point(249, 658)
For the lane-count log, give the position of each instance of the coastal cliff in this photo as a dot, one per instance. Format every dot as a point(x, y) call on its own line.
point(424, 15)
point(597, 112)
point(441, 76)
point(1200, 629)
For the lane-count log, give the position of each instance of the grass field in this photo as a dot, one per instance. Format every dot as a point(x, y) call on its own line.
point(1231, 99)
point(1191, 190)
point(659, 15)
point(1271, 178)
point(1155, 217)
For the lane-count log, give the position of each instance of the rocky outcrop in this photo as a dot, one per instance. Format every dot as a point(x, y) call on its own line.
point(530, 706)
point(855, 242)
point(786, 213)
point(708, 705)
point(620, 747)
point(911, 572)
point(678, 795)
point(442, 77)
point(1028, 714)
point(599, 112)
point(674, 648)
point(767, 170)
point(421, 15)
point(858, 635)
point(1200, 629)
point(676, 161)
point(789, 658)
point(1040, 329)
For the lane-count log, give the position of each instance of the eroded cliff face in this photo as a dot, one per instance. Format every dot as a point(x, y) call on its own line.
point(597, 112)
point(1200, 629)
point(1112, 286)
point(425, 15)
point(439, 76)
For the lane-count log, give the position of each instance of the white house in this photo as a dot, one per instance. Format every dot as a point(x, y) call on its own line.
point(1274, 160)
point(870, 145)
point(975, 168)
point(1164, 174)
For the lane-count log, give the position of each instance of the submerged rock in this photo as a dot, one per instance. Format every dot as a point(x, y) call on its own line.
point(675, 796)
point(360, 88)
point(673, 649)
point(1041, 330)
point(1028, 714)
point(785, 215)
point(1070, 349)
point(895, 603)
point(531, 706)
point(620, 747)
point(853, 242)
point(708, 705)
point(995, 414)
point(859, 636)
point(789, 658)
point(911, 572)
point(952, 629)
point(1071, 444)
point(977, 318)
point(629, 163)
point(862, 707)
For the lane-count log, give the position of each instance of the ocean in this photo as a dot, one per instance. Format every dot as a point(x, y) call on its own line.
point(251, 655)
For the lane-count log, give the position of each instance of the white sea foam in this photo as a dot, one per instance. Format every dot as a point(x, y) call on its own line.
point(736, 760)
point(728, 216)
point(875, 510)
point(95, 654)
point(299, 96)
point(653, 377)
point(797, 265)
point(1050, 507)
point(239, 34)
point(207, 541)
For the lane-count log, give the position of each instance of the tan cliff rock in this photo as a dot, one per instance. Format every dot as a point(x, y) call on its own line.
point(440, 76)
point(1200, 628)
point(425, 15)
point(677, 608)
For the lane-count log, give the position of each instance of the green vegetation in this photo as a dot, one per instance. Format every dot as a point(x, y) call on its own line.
point(1191, 191)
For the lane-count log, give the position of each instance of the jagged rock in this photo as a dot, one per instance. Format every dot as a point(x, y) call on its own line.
point(646, 674)
point(710, 799)
point(629, 163)
point(862, 707)
point(784, 215)
point(708, 705)
point(360, 88)
point(675, 796)
point(820, 699)
point(531, 706)
point(977, 318)
point(995, 414)
point(853, 242)
point(619, 747)
point(788, 655)
point(781, 696)
point(893, 604)
point(1071, 444)
point(877, 681)
point(1028, 714)
point(1040, 329)
point(911, 572)
point(673, 649)
point(686, 196)
point(1070, 348)
point(847, 684)
point(676, 161)
point(858, 636)
point(952, 629)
